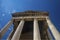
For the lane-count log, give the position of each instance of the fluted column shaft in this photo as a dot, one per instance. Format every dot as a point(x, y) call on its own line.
point(36, 35)
point(53, 29)
point(3, 30)
point(17, 33)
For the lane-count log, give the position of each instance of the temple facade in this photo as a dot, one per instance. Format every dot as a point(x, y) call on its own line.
point(31, 25)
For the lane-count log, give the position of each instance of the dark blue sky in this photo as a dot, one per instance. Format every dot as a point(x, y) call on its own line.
point(10, 6)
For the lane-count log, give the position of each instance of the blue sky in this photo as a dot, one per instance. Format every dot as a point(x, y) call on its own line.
point(10, 6)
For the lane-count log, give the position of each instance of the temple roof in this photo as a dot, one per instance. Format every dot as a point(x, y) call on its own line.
point(30, 13)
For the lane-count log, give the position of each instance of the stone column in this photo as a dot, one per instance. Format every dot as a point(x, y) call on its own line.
point(53, 29)
point(3, 30)
point(15, 23)
point(17, 33)
point(36, 34)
